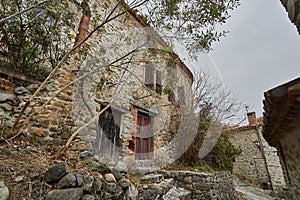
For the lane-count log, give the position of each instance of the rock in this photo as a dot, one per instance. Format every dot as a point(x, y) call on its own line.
point(117, 174)
point(21, 90)
point(19, 178)
point(111, 187)
point(53, 174)
point(155, 178)
point(177, 194)
point(88, 197)
point(4, 192)
point(132, 193)
point(102, 169)
point(67, 181)
point(6, 106)
point(97, 186)
point(124, 183)
point(88, 184)
point(30, 149)
point(150, 194)
point(121, 166)
point(118, 194)
point(188, 180)
point(46, 140)
point(109, 177)
point(165, 185)
point(6, 97)
point(27, 111)
point(65, 194)
point(79, 179)
point(107, 196)
point(85, 154)
point(32, 87)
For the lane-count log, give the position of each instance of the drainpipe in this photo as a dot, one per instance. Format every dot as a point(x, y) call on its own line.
point(253, 122)
point(263, 154)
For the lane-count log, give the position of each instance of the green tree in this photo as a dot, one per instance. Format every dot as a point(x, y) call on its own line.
point(32, 42)
point(191, 23)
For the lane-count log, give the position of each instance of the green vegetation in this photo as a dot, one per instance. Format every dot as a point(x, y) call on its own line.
point(32, 42)
point(223, 154)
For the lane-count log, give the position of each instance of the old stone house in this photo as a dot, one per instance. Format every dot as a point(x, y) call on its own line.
point(281, 130)
point(127, 66)
point(258, 164)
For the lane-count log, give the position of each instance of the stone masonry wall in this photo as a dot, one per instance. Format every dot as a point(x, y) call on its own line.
point(289, 152)
point(121, 84)
point(204, 185)
point(250, 165)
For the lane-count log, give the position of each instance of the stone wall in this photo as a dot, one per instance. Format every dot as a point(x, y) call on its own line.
point(289, 152)
point(122, 83)
point(293, 9)
point(217, 185)
point(250, 166)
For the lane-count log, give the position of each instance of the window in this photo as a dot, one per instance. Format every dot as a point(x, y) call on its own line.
point(153, 78)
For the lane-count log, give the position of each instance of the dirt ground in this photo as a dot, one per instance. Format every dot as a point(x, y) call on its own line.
point(23, 164)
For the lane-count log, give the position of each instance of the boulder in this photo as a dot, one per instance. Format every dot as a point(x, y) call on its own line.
point(155, 178)
point(67, 181)
point(132, 193)
point(21, 90)
point(150, 194)
point(6, 97)
point(4, 192)
point(65, 194)
point(109, 177)
point(121, 166)
point(124, 183)
point(55, 173)
point(102, 169)
point(79, 179)
point(97, 186)
point(6, 106)
point(88, 184)
point(177, 194)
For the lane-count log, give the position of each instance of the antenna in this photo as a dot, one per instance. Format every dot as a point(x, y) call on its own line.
point(246, 107)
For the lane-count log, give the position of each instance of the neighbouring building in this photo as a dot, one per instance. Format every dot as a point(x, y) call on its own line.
point(149, 90)
point(282, 130)
point(258, 164)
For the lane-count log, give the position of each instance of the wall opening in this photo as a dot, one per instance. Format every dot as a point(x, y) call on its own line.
point(144, 140)
point(107, 143)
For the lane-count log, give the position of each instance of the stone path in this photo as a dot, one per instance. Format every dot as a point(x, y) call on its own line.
point(253, 193)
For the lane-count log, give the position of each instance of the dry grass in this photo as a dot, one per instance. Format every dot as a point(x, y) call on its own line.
point(18, 162)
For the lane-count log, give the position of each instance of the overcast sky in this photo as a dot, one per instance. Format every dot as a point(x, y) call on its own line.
point(261, 51)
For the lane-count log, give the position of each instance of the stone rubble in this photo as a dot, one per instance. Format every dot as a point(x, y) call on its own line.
point(4, 192)
point(113, 184)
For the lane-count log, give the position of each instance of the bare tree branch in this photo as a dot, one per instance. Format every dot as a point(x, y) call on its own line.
point(107, 20)
point(4, 20)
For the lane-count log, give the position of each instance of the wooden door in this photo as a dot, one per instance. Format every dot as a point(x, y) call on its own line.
point(143, 137)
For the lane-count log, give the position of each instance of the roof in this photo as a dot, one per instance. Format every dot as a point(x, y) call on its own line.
point(281, 110)
point(140, 19)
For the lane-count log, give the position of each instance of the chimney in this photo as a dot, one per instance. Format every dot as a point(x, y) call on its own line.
point(252, 118)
